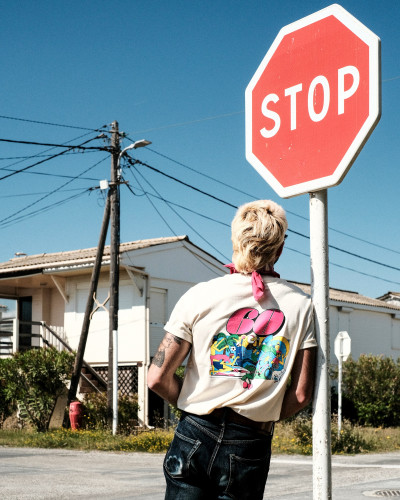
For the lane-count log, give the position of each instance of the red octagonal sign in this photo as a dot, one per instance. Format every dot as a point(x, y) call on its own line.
point(313, 102)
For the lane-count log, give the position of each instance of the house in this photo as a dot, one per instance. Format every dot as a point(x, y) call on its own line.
point(391, 298)
point(373, 324)
point(52, 289)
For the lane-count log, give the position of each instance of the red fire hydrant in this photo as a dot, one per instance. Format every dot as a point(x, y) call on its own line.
point(75, 415)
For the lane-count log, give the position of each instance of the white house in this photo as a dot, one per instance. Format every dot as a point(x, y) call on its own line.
point(53, 288)
point(51, 291)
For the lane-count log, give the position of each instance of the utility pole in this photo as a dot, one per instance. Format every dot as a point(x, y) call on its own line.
point(89, 304)
point(112, 388)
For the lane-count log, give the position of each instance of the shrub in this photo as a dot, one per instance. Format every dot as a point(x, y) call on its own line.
point(7, 405)
point(372, 386)
point(95, 415)
point(34, 380)
point(350, 439)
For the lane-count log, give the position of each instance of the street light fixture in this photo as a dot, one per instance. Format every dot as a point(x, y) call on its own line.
point(137, 144)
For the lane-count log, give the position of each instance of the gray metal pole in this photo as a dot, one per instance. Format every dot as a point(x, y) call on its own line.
point(340, 369)
point(322, 473)
point(115, 385)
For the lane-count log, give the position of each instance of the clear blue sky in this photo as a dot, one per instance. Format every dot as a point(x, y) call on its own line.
point(175, 73)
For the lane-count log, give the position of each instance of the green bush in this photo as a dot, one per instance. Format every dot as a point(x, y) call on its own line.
point(350, 439)
point(371, 385)
point(95, 414)
point(33, 380)
point(7, 405)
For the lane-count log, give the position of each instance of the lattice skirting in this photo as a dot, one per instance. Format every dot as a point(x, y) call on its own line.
point(127, 378)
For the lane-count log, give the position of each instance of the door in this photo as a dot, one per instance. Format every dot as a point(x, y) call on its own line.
point(25, 326)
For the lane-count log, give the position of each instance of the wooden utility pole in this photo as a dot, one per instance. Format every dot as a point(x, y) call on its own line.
point(89, 304)
point(114, 268)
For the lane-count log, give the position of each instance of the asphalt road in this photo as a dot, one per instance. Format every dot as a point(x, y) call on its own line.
point(31, 473)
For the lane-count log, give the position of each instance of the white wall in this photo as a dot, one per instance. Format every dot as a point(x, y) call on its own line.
point(371, 331)
point(131, 324)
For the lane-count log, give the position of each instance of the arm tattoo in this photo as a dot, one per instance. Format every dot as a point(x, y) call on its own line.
point(159, 357)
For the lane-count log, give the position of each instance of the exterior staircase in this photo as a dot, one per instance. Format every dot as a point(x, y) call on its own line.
point(45, 336)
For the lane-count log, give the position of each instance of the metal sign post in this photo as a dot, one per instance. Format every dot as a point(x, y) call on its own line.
point(310, 107)
point(342, 352)
point(322, 475)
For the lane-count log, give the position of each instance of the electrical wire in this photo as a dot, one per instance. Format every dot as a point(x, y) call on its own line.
point(253, 197)
point(43, 209)
point(155, 208)
point(5, 219)
point(286, 246)
point(24, 195)
point(235, 206)
point(52, 124)
point(169, 202)
point(62, 176)
point(39, 155)
point(24, 158)
point(33, 143)
point(178, 215)
point(46, 159)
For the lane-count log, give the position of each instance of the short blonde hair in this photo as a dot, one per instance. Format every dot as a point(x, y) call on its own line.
point(258, 232)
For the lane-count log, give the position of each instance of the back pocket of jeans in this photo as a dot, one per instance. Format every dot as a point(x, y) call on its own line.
point(247, 477)
point(179, 455)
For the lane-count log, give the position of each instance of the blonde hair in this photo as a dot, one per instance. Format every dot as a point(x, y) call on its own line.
point(258, 232)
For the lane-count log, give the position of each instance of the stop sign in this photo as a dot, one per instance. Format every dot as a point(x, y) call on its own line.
point(313, 102)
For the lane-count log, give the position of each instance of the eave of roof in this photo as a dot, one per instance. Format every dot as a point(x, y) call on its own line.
point(75, 258)
point(351, 297)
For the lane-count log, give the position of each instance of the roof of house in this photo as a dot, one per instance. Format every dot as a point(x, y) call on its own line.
point(76, 257)
point(351, 297)
point(390, 295)
point(35, 263)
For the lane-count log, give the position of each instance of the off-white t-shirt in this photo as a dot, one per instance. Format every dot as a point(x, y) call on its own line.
point(242, 349)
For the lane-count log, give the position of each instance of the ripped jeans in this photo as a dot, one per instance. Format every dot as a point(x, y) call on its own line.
point(213, 460)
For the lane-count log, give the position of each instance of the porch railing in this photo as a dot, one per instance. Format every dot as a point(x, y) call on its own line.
point(41, 335)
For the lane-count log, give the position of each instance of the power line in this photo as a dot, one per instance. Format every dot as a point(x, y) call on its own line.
point(152, 204)
point(253, 197)
point(39, 155)
point(43, 209)
point(52, 124)
point(286, 246)
point(5, 219)
point(23, 158)
point(46, 159)
point(133, 162)
point(185, 221)
point(33, 143)
point(63, 176)
point(24, 195)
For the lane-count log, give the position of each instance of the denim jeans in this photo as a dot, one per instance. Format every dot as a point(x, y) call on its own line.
point(214, 459)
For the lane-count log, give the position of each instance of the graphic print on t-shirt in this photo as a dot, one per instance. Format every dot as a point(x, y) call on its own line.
point(250, 348)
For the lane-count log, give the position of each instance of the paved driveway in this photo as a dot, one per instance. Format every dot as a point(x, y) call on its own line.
point(31, 473)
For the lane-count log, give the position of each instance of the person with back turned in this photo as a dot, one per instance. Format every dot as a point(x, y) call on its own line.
point(251, 341)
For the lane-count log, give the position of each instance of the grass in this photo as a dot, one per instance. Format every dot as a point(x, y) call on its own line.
point(289, 438)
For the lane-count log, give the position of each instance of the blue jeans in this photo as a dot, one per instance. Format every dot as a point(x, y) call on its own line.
point(214, 459)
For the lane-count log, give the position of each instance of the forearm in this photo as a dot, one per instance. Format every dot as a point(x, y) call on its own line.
point(168, 389)
point(161, 377)
point(299, 394)
point(292, 403)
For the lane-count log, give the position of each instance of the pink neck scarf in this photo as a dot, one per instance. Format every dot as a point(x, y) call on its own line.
point(257, 282)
